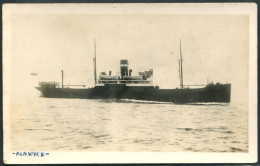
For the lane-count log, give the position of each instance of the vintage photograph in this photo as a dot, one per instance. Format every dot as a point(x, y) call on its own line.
point(129, 83)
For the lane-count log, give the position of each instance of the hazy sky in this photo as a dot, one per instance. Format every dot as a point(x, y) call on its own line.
point(213, 46)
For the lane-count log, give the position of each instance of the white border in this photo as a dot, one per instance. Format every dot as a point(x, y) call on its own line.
point(134, 157)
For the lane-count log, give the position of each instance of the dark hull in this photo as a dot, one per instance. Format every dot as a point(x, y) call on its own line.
point(211, 93)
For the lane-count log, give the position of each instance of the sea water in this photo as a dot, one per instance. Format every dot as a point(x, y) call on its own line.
point(55, 124)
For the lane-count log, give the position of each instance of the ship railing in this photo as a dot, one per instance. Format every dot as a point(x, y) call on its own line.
point(125, 81)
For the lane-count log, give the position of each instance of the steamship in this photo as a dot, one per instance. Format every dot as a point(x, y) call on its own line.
point(139, 87)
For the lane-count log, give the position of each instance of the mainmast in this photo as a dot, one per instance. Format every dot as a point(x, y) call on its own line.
point(95, 62)
point(180, 70)
point(62, 79)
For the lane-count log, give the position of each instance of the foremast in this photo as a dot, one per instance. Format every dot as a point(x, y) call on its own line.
point(180, 68)
point(95, 62)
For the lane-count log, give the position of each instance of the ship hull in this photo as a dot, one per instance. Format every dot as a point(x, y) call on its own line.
point(212, 93)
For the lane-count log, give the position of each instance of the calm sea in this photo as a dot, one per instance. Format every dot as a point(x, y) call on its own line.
point(127, 125)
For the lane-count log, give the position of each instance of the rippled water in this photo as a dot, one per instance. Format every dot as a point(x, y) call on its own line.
point(126, 125)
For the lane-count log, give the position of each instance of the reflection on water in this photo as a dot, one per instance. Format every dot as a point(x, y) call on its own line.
point(127, 125)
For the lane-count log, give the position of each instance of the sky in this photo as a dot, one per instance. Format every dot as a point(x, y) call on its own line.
point(214, 48)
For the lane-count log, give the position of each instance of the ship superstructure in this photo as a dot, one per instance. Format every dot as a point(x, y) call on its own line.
point(126, 78)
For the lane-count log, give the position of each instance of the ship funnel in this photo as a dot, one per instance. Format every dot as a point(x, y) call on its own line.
point(124, 68)
point(130, 72)
point(110, 72)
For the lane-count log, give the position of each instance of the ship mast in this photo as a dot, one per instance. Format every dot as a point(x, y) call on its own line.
point(180, 66)
point(62, 79)
point(95, 62)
